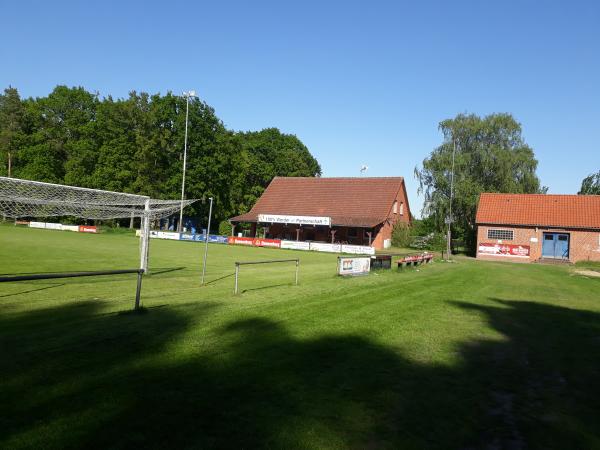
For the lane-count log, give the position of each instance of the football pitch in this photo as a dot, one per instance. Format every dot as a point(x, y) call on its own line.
point(465, 355)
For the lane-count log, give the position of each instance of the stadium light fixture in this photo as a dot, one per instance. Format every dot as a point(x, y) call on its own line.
point(187, 95)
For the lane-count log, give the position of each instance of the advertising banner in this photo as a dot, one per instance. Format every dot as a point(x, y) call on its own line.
point(358, 249)
point(295, 245)
point(87, 229)
point(70, 227)
point(240, 240)
point(294, 220)
point(37, 225)
point(165, 235)
point(215, 239)
point(259, 242)
point(321, 247)
point(354, 265)
point(515, 251)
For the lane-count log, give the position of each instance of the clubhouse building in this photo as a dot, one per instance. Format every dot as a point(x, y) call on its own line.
point(355, 211)
point(538, 227)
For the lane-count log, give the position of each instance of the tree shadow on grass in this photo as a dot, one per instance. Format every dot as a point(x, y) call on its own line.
point(74, 378)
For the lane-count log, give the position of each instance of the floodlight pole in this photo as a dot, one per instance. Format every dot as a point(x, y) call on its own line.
point(206, 239)
point(449, 219)
point(187, 96)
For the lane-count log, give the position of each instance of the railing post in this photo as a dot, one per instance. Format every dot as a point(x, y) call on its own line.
point(237, 271)
point(297, 267)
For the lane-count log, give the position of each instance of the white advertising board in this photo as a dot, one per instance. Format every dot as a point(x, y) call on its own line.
point(294, 220)
point(164, 235)
point(37, 225)
point(354, 265)
point(358, 249)
point(295, 245)
point(320, 247)
point(70, 227)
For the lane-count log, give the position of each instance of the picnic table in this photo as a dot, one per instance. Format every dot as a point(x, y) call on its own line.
point(415, 260)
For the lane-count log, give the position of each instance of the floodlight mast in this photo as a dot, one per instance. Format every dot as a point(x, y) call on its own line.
point(187, 96)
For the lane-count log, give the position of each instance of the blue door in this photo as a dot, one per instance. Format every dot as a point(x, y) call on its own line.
point(555, 245)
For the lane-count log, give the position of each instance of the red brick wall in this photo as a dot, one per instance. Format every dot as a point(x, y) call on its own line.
point(385, 232)
point(583, 245)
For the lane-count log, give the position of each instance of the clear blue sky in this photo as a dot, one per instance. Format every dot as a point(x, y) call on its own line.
point(357, 82)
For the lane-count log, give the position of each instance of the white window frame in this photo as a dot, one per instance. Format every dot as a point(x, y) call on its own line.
point(501, 234)
point(402, 208)
point(395, 207)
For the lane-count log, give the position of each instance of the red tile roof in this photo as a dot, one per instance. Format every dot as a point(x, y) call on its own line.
point(359, 202)
point(566, 211)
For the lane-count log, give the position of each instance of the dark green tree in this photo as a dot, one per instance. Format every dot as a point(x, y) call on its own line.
point(591, 184)
point(12, 114)
point(491, 156)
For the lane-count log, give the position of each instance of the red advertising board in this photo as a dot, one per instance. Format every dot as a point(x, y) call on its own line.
point(518, 251)
point(258, 242)
point(240, 240)
point(87, 229)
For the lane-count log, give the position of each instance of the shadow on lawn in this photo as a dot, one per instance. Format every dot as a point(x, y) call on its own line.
point(74, 378)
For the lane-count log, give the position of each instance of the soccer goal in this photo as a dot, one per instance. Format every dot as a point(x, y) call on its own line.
point(269, 261)
point(30, 199)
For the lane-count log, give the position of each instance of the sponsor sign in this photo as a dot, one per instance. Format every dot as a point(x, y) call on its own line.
point(37, 225)
point(354, 265)
point(70, 228)
point(87, 229)
point(212, 238)
point(165, 235)
point(240, 240)
point(21, 222)
point(321, 247)
point(294, 220)
point(295, 245)
point(358, 249)
point(259, 242)
point(518, 251)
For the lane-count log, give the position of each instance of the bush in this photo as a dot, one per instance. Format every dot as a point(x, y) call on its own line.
point(225, 228)
point(402, 235)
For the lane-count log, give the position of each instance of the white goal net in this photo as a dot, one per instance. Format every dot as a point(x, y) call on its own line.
point(26, 199)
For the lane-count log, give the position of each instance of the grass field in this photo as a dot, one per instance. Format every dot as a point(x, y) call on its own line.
point(466, 355)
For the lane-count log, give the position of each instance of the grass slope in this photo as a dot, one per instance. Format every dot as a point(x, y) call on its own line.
point(464, 355)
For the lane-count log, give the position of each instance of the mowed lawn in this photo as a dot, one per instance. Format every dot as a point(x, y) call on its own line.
point(466, 355)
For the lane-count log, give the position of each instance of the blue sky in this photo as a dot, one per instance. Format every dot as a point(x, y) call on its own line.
point(357, 82)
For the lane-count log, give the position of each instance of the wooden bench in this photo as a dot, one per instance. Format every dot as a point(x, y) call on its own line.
point(414, 260)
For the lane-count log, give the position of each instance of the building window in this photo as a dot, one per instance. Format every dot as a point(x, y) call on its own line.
point(506, 235)
point(395, 208)
point(401, 209)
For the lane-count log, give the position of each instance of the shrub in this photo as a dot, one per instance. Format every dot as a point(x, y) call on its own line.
point(402, 235)
point(225, 228)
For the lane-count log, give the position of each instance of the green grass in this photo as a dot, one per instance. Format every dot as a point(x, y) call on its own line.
point(455, 355)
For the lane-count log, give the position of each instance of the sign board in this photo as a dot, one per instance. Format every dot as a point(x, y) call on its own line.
point(165, 235)
point(321, 247)
point(358, 249)
point(240, 240)
point(259, 242)
point(354, 265)
point(295, 245)
point(87, 229)
point(515, 251)
point(294, 220)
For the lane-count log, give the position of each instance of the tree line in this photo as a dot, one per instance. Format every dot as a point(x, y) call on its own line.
point(135, 145)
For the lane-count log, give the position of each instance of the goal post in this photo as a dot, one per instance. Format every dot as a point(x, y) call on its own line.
point(26, 198)
point(238, 264)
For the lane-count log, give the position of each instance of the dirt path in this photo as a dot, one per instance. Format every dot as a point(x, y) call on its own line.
point(588, 273)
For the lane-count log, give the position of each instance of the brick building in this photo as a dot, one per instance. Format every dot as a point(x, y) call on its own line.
point(533, 227)
point(360, 211)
